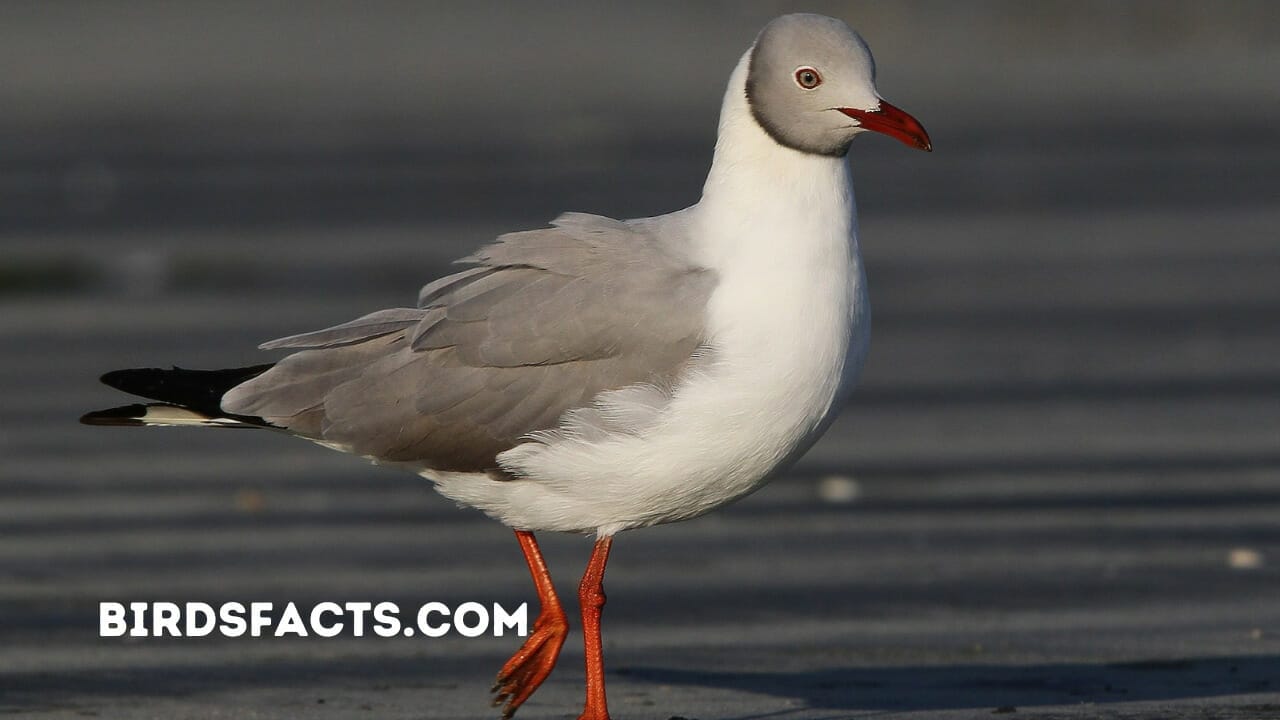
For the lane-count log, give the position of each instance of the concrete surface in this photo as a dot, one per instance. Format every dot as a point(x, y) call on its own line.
point(1055, 495)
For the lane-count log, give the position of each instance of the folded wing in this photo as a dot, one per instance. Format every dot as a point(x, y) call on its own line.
point(541, 324)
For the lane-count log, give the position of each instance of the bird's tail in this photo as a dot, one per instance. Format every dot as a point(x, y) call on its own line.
point(187, 397)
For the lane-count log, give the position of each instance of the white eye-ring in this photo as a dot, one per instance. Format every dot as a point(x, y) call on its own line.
point(808, 78)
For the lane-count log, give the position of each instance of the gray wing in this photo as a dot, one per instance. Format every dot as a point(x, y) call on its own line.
point(542, 322)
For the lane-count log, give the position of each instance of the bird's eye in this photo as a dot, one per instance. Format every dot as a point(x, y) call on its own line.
point(808, 78)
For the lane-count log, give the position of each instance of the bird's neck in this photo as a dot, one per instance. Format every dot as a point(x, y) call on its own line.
point(776, 226)
point(765, 198)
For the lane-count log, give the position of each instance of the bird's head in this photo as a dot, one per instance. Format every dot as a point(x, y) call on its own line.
point(811, 87)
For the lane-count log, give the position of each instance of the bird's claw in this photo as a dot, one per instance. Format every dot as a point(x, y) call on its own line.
point(531, 664)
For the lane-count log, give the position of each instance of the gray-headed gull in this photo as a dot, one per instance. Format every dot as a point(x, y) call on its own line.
point(602, 375)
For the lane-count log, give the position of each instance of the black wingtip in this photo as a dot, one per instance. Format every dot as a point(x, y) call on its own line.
point(199, 390)
point(123, 416)
point(114, 377)
point(195, 391)
point(136, 381)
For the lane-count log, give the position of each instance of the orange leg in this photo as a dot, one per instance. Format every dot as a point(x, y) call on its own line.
point(591, 599)
point(533, 662)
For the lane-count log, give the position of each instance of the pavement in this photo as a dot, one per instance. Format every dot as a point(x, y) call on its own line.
point(1056, 493)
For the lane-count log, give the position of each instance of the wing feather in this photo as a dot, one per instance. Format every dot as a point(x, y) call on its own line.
point(545, 323)
point(372, 325)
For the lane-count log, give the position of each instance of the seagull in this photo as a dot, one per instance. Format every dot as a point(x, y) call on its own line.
point(601, 375)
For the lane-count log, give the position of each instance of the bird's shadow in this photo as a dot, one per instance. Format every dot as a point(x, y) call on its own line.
point(994, 687)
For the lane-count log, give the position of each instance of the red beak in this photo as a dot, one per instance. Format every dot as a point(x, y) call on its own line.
point(892, 122)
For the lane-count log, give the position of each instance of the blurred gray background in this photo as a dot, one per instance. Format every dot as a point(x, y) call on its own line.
point(1057, 489)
